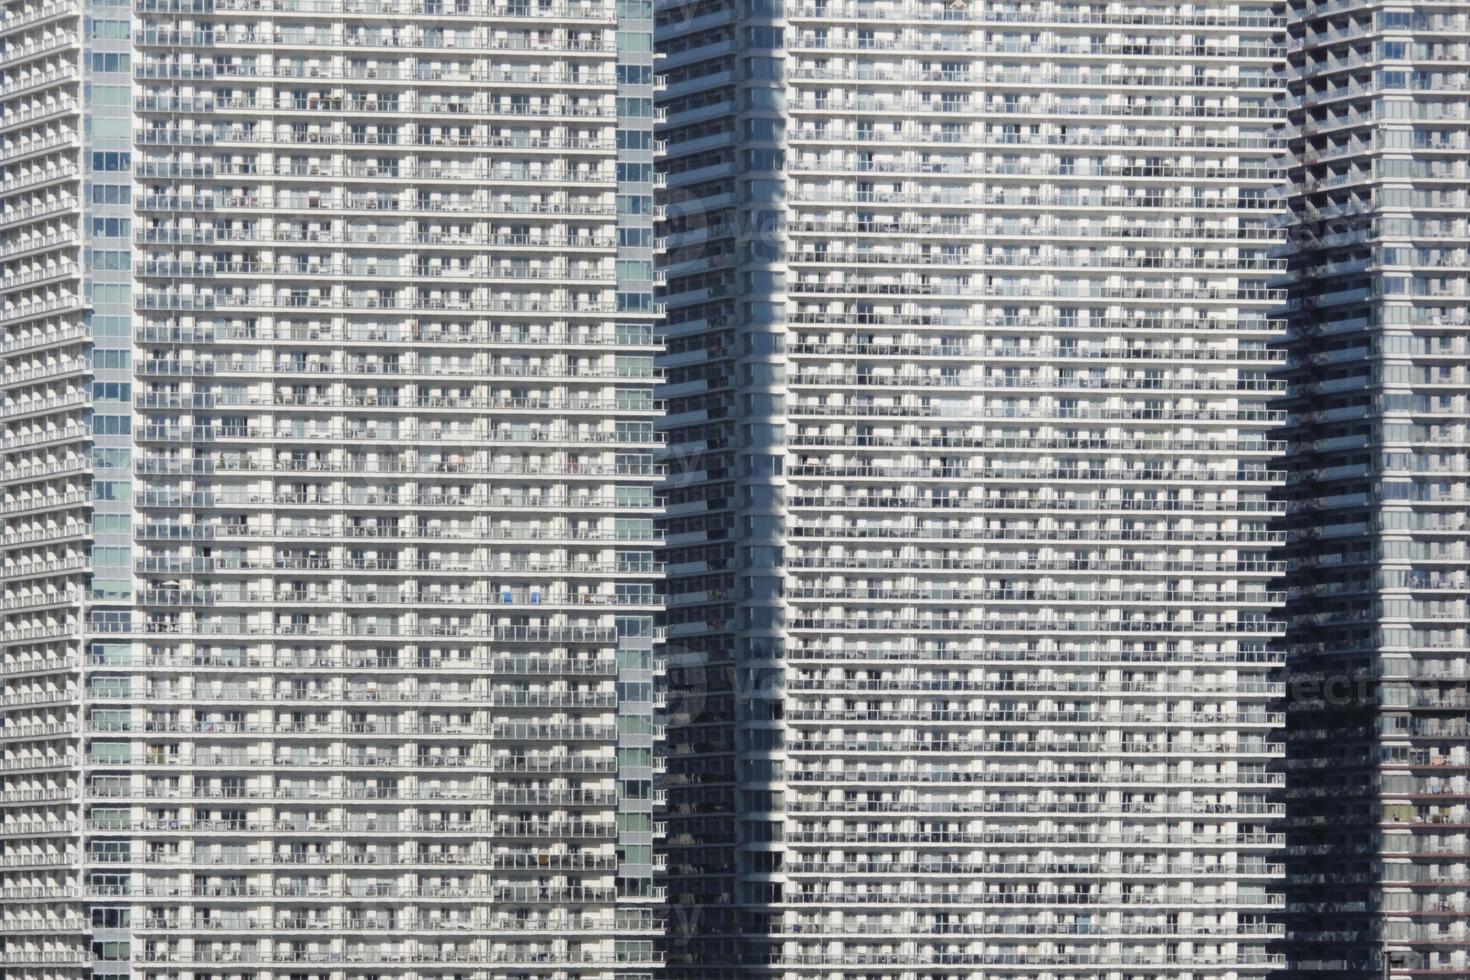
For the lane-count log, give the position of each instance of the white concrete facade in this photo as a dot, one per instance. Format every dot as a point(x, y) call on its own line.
point(371, 693)
point(1012, 593)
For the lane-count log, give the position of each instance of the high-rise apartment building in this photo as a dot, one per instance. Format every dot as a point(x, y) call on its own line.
point(328, 464)
point(47, 503)
point(970, 522)
point(1379, 735)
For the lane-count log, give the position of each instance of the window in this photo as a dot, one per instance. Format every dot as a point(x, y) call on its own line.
point(640, 270)
point(634, 691)
point(635, 204)
point(635, 756)
point(633, 496)
point(772, 37)
point(111, 160)
point(765, 160)
point(110, 556)
point(111, 227)
point(635, 42)
point(633, 366)
point(635, 399)
point(634, 139)
point(112, 193)
point(110, 62)
point(635, 107)
point(634, 561)
point(113, 29)
point(112, 753)
point(106, 917)
point(111, 425)
point(111, 951)
point(110, 653)
point(111, 720)
point(634, 625)
point(110, 128)
point(119, 295)
point(105, 260)
point(631, 950)
point(633, 528)
point(772, 130)
point(111, 687)
point(109, 818)
point(636, 854)
point(105, 458)
point(115, 359)
point(635, 660)
point(634, 333)
point(111, 524)
point(635, 822)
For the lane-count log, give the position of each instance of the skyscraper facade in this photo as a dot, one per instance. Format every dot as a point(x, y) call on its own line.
point(45, 285)
point(1378, 737)
point(329, 400)
point(970, 543)
point(331, 447)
